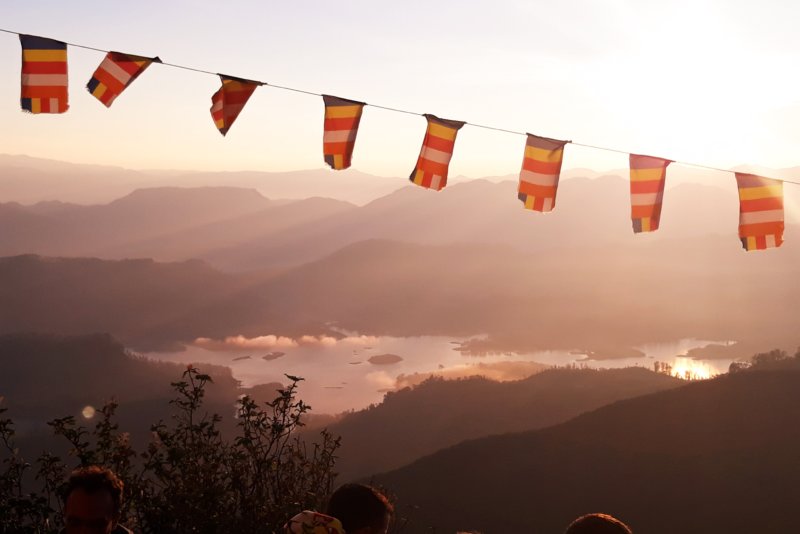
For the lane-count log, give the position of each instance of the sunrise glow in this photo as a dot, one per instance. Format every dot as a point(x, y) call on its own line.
point(688, 369)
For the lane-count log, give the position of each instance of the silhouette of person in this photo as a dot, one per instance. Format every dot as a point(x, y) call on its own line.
point(598, 524)
point(93, 502)
point(362, 509)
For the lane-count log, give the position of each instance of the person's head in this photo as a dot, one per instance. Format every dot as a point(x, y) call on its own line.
point(92, 501)
point(310, 522)
point(361, 509)
point(598, 524)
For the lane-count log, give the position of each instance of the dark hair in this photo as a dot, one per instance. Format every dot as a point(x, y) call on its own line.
point(598, 524)
point(358, 506)
point(93, 479)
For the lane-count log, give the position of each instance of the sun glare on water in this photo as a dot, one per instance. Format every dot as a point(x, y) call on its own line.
point(688, 369)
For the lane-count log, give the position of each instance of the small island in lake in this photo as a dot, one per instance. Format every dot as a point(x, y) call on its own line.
point(385, 359)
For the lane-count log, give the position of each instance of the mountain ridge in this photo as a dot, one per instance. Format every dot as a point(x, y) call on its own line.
point(391, 434)
point(692, 452)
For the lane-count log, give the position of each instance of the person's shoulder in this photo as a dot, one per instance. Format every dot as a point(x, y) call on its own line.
point(121, 530)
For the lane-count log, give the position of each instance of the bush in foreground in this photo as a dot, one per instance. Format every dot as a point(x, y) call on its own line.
point(189, 478)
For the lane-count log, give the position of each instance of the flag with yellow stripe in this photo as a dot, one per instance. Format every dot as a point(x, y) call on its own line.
point(760, 211)
point(437, 150)
point(541, 169)
point(116, 72)
point(44, 75)
point(648, 176)
point(342, 117)
point(229, 100)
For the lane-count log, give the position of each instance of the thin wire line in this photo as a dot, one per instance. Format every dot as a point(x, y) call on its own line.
point(496, 129)
point(685, 163)
point(292, 89)
point(65, 42)
point(600, 148)
point(397, 110)
point(189, 68)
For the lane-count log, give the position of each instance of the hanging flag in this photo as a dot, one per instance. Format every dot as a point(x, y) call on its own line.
point(648, 175)
point(437, 149)
point(44, 75)
point(115, 73)
point(541, 168)
point(760, 211)
point(227, 103)
point(341, 127)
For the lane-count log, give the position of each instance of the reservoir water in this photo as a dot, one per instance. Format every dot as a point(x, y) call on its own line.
point(339, 376)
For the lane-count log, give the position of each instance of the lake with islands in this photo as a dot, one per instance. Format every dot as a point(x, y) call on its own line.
point(339, 376)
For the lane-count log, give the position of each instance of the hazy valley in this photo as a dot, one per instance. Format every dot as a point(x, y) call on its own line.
point(426, 326)
point(466, 261)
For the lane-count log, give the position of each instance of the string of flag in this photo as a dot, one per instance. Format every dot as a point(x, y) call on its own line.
point(44, 89)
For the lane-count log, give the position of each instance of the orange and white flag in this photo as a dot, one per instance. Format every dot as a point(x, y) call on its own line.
point(229, 100)
point(541, 169)
point(760, 211)
point(341, 127)
point(115, 74)
point(437, 150)
point(44, 75)
point(648, 176)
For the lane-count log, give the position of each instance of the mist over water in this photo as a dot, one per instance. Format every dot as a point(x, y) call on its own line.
point(339, 376)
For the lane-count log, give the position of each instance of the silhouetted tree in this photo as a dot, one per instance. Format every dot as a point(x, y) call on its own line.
point(736, 367)
point(663, 368)
point(767, 358)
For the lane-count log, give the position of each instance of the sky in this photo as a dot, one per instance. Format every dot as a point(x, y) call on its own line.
point(706, 81)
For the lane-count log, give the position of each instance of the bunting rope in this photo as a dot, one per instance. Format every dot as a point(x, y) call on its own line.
point(398, 110)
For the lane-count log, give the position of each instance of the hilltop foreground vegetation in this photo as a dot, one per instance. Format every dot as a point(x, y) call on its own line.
point(189, 478)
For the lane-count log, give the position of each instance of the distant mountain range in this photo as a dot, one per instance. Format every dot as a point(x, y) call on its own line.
point(168, 223)
point(713, 457)
point(463, 261)
point(239, 229)
point(30, 180)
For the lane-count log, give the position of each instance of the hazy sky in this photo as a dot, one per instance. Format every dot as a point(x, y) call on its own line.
point(713, 82)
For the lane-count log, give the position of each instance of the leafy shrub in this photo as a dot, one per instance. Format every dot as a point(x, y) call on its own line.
point(190, 478)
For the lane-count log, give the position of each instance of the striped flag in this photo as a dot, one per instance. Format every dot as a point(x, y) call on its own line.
point(227, 103)
point(760, 211)
point(648, 175)
point(541, 168)
point(341, 127)
point(115, 73)
point(44, 75)
point(437, 149)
